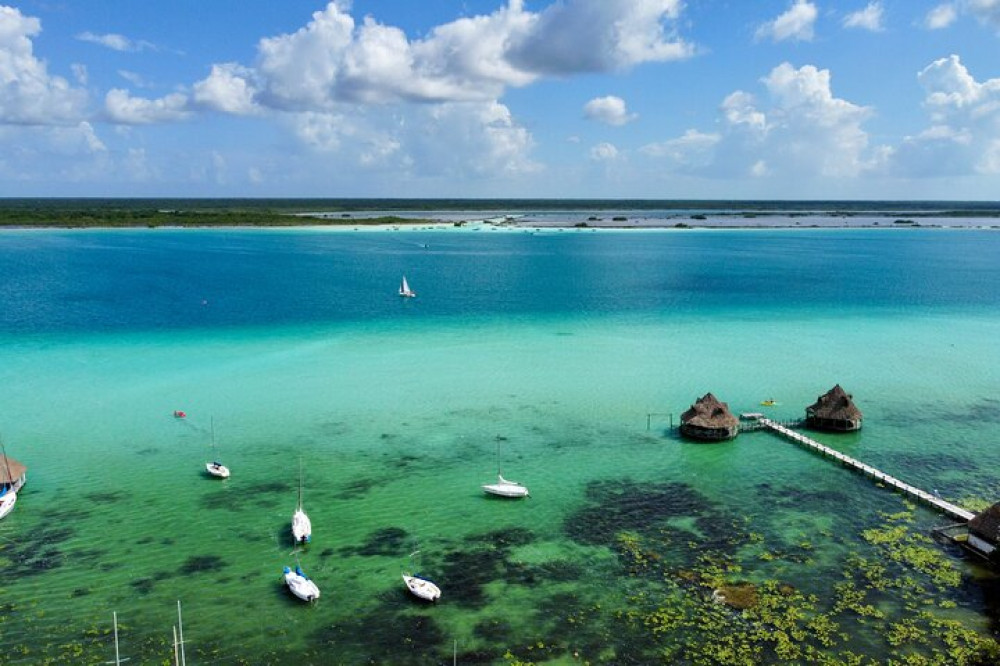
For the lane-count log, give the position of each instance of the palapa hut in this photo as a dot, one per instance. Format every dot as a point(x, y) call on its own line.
point(984, 533)
point(12, 474)
point(709, 420)
point(834, 410)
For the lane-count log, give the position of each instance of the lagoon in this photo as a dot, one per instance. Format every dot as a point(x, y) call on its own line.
point(295, 343)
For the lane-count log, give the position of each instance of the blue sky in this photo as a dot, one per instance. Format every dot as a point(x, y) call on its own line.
point(712, 99)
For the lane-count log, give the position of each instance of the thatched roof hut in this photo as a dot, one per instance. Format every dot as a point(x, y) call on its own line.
point(834, 410)
point(709, 420)
point(12, 473)
point(984, 532)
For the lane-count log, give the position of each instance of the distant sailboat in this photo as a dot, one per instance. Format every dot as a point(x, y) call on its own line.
point(404, 289)
point(301, 525)
point(216, 468)
point(504, 487)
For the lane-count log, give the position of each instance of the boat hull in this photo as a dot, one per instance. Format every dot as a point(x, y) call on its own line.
point(7, 503)
point(217, 470)
point(505, 490)
point(301, 527)
point(422, 588)
point(300, 586)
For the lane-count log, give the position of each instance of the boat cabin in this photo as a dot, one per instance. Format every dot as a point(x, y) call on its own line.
point(12, 474)
point(709, 420)
point(834, 410)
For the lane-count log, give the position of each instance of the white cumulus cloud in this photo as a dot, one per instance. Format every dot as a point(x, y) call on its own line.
point(610, 110)
point(803, 130)
point(796, 24)
point(965, 132)
point(604, 152)
point(121, 107)
point(869, 18)
point(229, 88)
point(115, 42)
point(333, 60)
point(29, 95)
point(941, 16)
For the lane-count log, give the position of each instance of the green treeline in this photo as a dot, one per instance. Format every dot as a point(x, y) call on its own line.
point(105, 217)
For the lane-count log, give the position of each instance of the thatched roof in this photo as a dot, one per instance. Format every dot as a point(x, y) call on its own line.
point(835, 404)
point(987, 524)
point(16, 469)
point(708, 412)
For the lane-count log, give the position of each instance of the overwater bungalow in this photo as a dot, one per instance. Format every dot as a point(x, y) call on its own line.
point(984, 533)
point(12, 474)
point(834, 410)
point(709, 420)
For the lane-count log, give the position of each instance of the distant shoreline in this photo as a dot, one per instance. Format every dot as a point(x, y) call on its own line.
point(498, 213)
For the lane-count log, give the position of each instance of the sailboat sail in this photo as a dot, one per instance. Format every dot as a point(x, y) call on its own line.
point(404, 289)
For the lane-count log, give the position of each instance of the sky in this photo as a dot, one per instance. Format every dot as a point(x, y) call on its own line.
point(619, 99)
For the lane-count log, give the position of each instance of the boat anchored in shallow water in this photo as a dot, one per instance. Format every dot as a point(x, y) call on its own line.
point(301, 525)
point(216, 468)
point(504, 487)
point(422, 588)
point(300, 585)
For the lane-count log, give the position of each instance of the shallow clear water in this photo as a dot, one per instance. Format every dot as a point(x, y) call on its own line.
point(564, 344)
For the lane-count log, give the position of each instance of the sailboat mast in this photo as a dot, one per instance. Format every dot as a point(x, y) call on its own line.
point(300, 484)
point(6, 462)
point(180, 631)
point(118, 659)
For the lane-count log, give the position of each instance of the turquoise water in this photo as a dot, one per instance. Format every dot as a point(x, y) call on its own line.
point(563, 344)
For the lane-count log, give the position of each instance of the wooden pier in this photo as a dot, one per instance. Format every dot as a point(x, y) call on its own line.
point(905, 488)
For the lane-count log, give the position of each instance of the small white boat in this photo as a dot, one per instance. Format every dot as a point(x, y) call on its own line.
point(12, 476)
point(216, 468)
point(506, 488)
point(301, 585)
point(301, 525)
point(422, 588)
point(7, 500)
point(405, 291)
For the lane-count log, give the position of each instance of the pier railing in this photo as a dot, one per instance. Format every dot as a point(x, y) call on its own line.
point(947, 508)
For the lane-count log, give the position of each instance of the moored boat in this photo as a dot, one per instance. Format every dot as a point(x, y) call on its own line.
point(300, 585)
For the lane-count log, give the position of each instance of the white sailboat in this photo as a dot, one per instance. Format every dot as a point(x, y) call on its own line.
point(216, 468)
point(301, 585)
point(420, 587)
point(12, 476)
point(301, 525)
point(505, 487)
point(404, 289)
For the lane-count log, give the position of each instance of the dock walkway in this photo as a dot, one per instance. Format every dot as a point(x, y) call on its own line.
point(905, 488)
